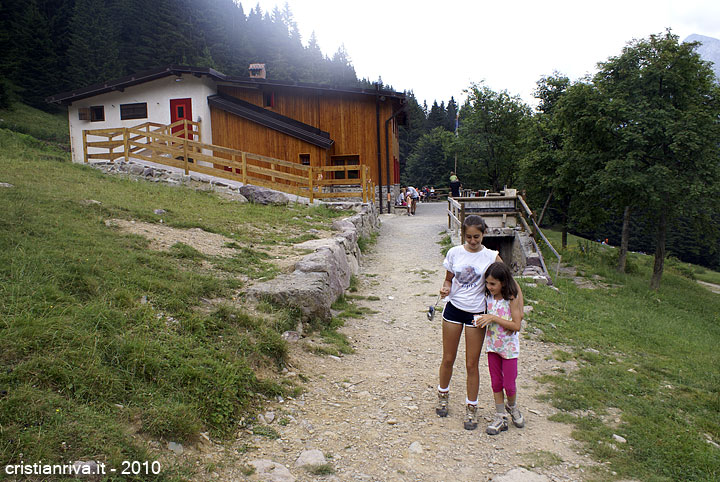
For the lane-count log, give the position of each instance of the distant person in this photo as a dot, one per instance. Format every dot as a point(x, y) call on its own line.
point(432, 194)
point(503, 321)
point(453, 177)
point(464, 289)
point(400, 201)
point(455, 187)
point(412, 199)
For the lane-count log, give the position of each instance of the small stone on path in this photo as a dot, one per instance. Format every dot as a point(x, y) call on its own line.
point(311, 457)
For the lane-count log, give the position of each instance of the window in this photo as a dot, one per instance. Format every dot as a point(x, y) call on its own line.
point(353, 160)
point(93, 114)
point(305, 159)
point(97, 113)
point(268, 99)
point(133, 111)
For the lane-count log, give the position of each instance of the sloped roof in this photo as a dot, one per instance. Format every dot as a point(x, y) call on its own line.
point(177, 70)
point(272, 120)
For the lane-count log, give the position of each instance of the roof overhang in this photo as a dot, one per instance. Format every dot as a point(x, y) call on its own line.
point(134, 79)
point(272, 120)
point(178, 70)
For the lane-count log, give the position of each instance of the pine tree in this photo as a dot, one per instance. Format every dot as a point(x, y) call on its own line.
point(94, 51)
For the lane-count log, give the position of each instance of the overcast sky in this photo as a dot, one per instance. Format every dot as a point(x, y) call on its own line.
point(437, 48)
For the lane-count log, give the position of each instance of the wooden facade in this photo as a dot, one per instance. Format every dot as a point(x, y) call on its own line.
point(350, 118)
point(321, 129)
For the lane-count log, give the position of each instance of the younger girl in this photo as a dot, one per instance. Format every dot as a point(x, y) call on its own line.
point(464, 288)
point(503, 321)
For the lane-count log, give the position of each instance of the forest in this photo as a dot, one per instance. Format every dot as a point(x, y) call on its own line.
point(51, 46)
point(629, 154)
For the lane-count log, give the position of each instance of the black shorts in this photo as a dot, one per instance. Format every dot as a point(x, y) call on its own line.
point(453, 314)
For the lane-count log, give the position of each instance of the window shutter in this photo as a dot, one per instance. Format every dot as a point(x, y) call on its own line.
point(84, 113)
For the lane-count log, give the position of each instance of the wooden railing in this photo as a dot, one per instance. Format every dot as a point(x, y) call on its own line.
point(457, 213)
point(183, 149)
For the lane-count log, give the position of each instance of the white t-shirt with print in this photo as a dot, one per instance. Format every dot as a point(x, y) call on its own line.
point(468, 285)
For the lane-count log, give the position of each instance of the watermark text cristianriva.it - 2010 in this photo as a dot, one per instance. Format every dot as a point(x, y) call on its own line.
point(127, 467)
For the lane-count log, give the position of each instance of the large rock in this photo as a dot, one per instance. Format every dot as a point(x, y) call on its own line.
point(261, 195)
point(308, 292)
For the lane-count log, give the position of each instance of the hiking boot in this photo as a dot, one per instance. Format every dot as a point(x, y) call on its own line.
point(517, 417)
point(470, 422)
point(442, 406)
point(498, 425)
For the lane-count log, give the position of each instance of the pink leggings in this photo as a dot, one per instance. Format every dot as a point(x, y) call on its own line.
point(503, 373)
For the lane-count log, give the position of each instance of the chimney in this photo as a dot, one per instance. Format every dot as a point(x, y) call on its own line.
point(257, 71)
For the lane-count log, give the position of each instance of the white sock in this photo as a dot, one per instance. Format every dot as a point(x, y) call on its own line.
point(443, 390)
point(471, 403)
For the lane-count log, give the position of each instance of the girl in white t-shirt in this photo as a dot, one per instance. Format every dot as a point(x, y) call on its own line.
point(464, 288)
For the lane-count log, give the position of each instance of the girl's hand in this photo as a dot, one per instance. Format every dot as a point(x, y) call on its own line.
point(485, 320)
point(444, 291)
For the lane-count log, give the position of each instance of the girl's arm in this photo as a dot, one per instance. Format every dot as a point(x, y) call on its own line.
point(447, 284)
point(516, 314)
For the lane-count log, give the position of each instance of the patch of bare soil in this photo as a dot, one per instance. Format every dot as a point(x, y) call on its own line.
point(372, 412)
point(163, 237)
point(711, 286)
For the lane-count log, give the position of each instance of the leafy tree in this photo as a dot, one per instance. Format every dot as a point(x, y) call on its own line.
point(662, 106)
point(490, 137)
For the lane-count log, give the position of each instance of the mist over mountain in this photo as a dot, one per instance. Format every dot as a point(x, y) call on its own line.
point(709, 50)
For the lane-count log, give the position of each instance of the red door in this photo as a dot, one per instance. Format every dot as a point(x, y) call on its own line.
point(180, 109)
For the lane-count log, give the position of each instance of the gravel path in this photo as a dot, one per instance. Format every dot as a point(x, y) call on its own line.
point(372, 412)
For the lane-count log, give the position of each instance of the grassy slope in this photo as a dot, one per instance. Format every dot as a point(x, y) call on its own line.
point(41, 125)
point(84, 357)
point(658, 363)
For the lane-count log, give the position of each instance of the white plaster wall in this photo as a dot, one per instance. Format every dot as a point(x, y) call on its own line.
point(157, 94)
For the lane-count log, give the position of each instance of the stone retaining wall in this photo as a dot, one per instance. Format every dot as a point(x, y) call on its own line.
point(320, 277)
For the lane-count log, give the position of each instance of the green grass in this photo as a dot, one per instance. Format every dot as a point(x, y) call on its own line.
point(365, 243)
point(445, 244)
point(657, 363)
point(102, 337)
point(39, 124)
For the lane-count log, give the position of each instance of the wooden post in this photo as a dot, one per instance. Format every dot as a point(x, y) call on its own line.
point(85, 149)
point(126, 144)
point(310, 184)
point(185, 155)
point(462, 222)
point(450, 213)
point(244, 168)
point(364, 187)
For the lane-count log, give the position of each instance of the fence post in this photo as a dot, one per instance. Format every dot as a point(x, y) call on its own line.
point(310, 184)
point(450, 212)
point(185, 155)
point(126, 144)
point(85, 148)
point(244, 168)
point(462, 222)
point(364, 182)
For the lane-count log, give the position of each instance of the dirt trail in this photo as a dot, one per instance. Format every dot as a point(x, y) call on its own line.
point(364, 410)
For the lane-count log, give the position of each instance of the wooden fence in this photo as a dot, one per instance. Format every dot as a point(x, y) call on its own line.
point(183, 149)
